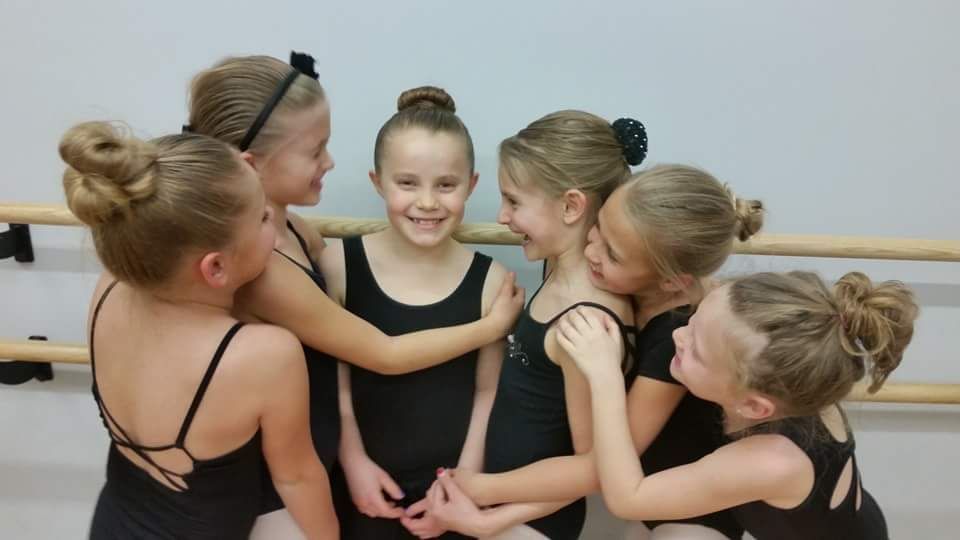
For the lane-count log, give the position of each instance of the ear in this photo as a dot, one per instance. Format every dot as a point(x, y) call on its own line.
point(473, 183)
point(248, 157)
point(213, 269)
point(681, 283)
point(375, 180)
point(575, 205)
point(756, 407)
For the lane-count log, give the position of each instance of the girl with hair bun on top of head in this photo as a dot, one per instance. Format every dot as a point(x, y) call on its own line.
point(413, 275)
point(278, 116)
point(180, 223)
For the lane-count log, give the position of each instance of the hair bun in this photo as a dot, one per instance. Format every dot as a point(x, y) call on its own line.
point(107, 171)
point(633, 137)
point(426, 96)
point(878, 315)
point(749, 218)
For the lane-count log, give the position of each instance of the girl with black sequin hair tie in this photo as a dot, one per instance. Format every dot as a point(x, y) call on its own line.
point(554, 176)
point(658, 238)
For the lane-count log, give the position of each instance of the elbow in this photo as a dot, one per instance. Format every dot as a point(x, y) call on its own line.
point(618, 507)
point(311, 470)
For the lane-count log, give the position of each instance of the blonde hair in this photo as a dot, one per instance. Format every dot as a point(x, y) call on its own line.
point(424, 107)
point(821, 341)
point(687, 220)
point(226, 99)
point(567, 150)
point(149, 202)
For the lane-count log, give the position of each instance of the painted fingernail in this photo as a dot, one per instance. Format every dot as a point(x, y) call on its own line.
point(440, 471)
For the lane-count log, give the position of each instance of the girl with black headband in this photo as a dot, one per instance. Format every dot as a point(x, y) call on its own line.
point(278, 115)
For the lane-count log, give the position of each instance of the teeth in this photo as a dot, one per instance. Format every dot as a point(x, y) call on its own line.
point(425, 221)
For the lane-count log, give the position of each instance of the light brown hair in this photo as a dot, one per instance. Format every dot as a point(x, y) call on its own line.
point(148, 202)
point(426, 107)
point(567, 150)
point(821, 341)
point(226, 99)
point(688, 220)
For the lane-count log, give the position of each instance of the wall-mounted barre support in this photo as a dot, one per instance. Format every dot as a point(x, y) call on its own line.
point(16, 243)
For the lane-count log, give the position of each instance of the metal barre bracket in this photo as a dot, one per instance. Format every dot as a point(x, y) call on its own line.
point(16, 243)
point(17, 372)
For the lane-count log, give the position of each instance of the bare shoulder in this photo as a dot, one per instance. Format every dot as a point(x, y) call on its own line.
point(621, 305)
point(261, 353)
point(491, 285)
point(333, 266)
point(315, 242)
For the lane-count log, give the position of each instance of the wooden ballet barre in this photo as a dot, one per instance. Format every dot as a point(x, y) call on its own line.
point(918, 393)
point(848, 247)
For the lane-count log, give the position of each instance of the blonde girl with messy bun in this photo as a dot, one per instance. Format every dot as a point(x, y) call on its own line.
point(776, 352)
point(657, 239)
point(180, 224)
point(413, 275)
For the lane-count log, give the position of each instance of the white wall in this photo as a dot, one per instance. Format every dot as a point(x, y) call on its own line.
point(841, 116)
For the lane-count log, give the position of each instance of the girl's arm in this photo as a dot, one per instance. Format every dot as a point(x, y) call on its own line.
point(489, 361)
point(456, 512)
point(284, 295)
point(365, 479)
point(296, 470)
point(650, 402)
point(755, 468)
point(488, 373)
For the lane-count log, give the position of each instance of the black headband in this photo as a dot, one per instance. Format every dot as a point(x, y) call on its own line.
point(302, 64)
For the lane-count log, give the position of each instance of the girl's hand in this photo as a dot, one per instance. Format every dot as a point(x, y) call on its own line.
point(452, 509)
point(506, 307)
point(367, 483)
point(592, 339)
point(425, 526)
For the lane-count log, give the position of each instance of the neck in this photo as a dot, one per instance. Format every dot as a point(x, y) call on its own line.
point(279, 218)
point(649, 304)
point(402, 248)
point(192, 296)
point(569, 265)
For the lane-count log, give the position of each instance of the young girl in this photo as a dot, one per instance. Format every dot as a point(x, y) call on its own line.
point(657, 238)
point(776, 352)
point(279, 117)
point(180, 224)
point(412, 276)
point(554, 175)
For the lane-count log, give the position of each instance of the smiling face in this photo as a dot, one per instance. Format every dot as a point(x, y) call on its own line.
point(618, 257)
point(710, 351)
point(425, 180)
point(293, 171)
point(532, 213)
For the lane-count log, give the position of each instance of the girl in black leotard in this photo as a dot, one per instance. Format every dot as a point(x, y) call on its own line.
point(656, 239)
point(554, 175)
point(180, 223)
point(278, 115)
point(411, 276)
point(776, 352)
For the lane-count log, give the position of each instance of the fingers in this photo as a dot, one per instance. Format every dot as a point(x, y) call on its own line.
point(391, 487)
point(417, 508)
